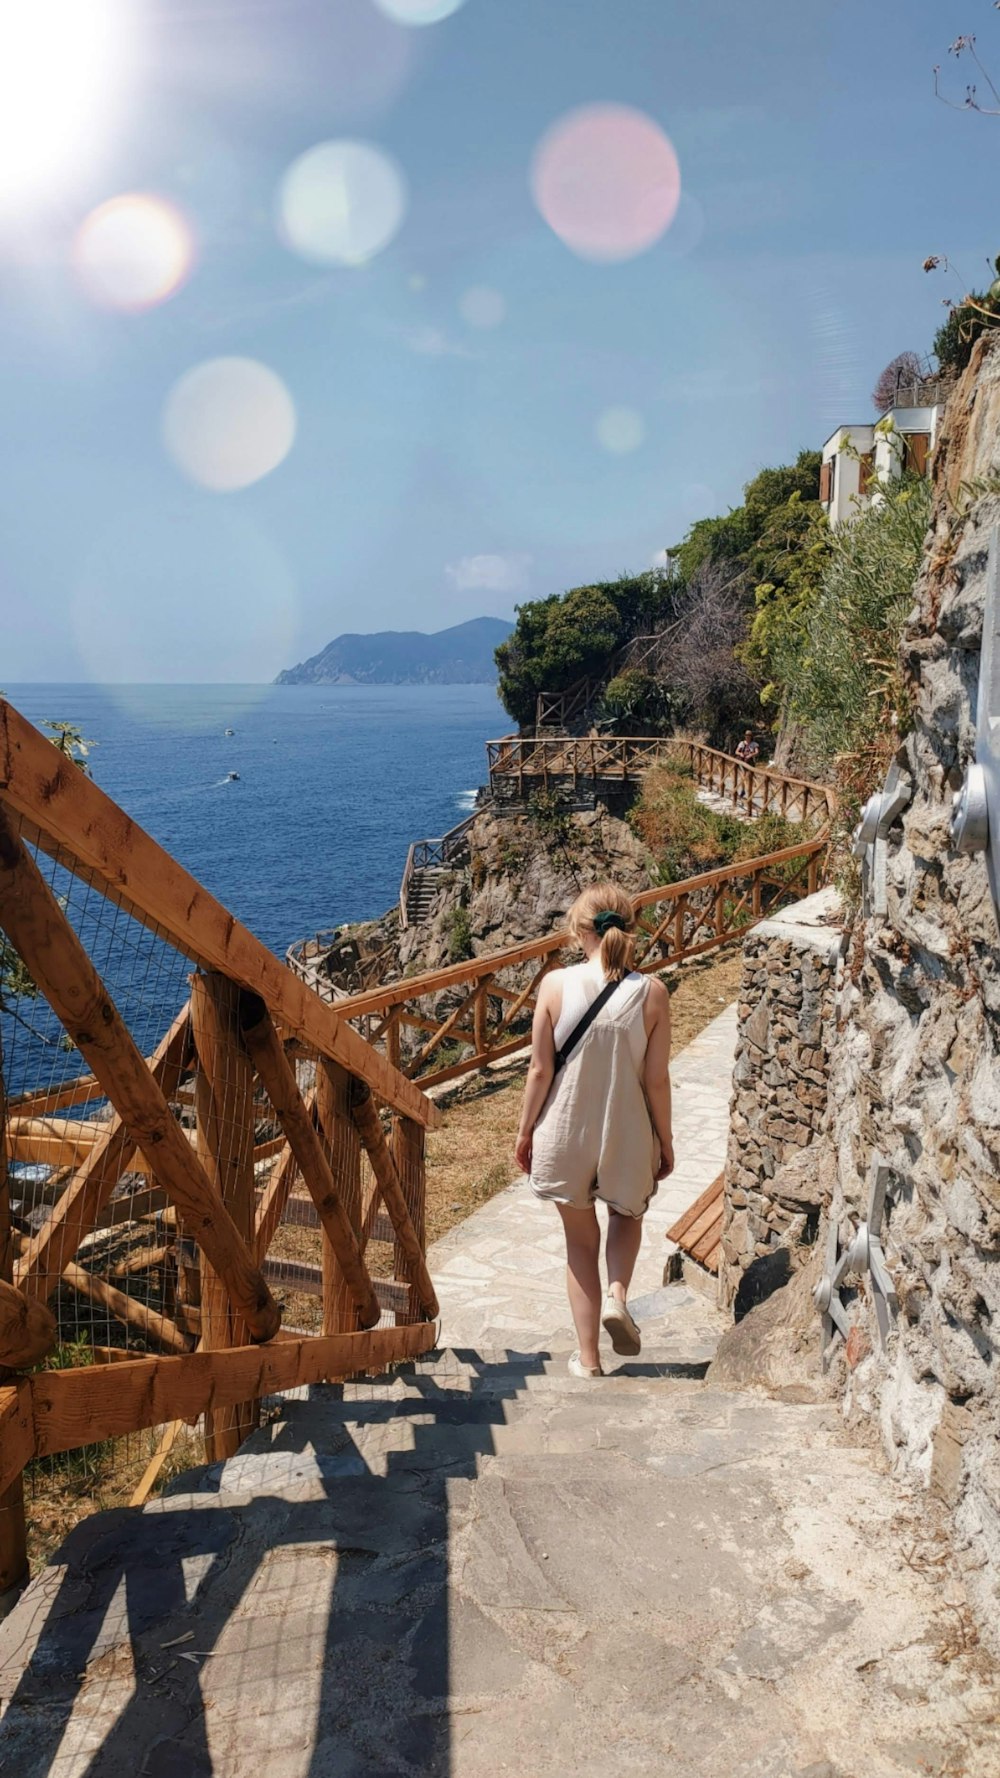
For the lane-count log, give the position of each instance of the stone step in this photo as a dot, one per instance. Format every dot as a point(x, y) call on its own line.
point(450, 1411)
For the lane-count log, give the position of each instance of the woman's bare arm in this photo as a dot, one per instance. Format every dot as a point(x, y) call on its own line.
point(542, 1068)
point(657, 1072)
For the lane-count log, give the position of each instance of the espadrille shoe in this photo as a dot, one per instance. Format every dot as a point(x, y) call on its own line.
point(623, 1331)
point(585, 1372)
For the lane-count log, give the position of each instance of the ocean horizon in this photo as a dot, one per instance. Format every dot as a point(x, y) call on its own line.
point(333, 783)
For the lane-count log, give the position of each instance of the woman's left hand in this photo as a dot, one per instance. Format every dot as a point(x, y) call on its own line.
point(522, 1152)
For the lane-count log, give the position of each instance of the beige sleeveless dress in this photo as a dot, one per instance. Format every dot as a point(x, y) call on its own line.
point(594, 1138)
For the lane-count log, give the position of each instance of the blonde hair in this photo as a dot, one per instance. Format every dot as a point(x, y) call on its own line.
point(617, 946)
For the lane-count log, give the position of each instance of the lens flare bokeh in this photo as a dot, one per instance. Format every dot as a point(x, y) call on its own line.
point(482, 306)
point(341, 203)
point(133, 252)
point(418, 12)
point(620, 430)
point(607, 181)
point(228, 422)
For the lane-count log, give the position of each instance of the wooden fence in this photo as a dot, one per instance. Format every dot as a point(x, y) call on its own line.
point(448, 1022)
point(470, 1014)
point(152, 1186)
point(519, 767)
point(757, 790)
point(446, 853)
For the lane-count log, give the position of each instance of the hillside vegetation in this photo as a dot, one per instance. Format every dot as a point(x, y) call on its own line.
point(769, 619)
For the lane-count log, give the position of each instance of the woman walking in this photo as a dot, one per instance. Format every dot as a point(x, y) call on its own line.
point(595, 1122)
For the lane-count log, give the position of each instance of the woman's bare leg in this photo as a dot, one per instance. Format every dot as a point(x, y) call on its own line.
point(624, 1241)
point(583, 1278)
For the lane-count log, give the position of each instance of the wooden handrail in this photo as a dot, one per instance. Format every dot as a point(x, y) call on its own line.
point(54, 1411)
point(66, 812)
point(437, 981)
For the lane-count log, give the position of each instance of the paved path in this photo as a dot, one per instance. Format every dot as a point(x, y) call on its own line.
point(479, 1566)
point(500, 1275)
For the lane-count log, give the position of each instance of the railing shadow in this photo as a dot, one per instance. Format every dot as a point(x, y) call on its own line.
point(306, 1630)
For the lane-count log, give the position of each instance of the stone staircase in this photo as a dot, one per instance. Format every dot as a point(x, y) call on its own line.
point(479, 1566)
point(423, 888)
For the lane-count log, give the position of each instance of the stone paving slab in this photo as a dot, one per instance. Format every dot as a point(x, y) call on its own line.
point(500, 1275)
point(536, 1577)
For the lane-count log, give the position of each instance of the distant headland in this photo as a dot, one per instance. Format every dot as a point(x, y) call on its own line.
point(462, 655)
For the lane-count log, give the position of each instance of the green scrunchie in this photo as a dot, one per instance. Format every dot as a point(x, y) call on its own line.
point(604, 922)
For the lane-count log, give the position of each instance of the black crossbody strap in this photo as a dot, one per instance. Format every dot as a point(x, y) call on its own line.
point(581, 1029)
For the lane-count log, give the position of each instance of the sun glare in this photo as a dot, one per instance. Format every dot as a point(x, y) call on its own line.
point(59, 67)
point(133, 252)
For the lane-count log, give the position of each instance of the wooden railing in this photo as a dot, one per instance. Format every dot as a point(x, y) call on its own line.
point(448, 1022)
point(557, 709)
point(756, 790)
point(450, 849)
point(307, 958)
point(258, 1102)
point(519, 766)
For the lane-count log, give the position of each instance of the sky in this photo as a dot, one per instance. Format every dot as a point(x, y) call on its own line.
point(346, 315)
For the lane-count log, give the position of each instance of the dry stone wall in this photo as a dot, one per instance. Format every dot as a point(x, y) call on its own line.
point(907, 1048)
point(916, 1068)
point(787, 1014)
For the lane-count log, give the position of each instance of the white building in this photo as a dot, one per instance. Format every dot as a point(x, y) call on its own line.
point(857, 458)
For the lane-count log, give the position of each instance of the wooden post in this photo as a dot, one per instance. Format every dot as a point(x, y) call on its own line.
point(404, 1203)
point(679, 912)
point(343, 1153)
point(408, 1156)
point(392, 1045)
point(13, 1531)
point(480, 1010)
point(813, 875)
point(756, 902)
point(58, 963)
point(338, 1209)
point(224, 1114)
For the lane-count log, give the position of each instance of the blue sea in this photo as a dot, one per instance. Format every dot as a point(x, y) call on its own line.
point(334, 782)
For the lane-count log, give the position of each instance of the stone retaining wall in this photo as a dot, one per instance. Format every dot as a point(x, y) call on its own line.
point(780, 1085)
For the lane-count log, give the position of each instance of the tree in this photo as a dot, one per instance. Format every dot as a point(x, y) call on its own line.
point(732, 537)
point(789, 562)
point(710, 682)
point(564, 638)
point(902, 372)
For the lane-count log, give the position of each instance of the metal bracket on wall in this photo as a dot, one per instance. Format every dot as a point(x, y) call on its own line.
point(973, 827)
point(870, 836)
point(863, 1253)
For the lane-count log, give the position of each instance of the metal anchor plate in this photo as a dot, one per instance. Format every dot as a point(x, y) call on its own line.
point(975, 821)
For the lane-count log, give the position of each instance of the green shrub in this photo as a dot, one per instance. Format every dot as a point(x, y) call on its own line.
point(956, 337)
point(635, 703)
point(571, 636)
point(458, 930)
point(849, 694)
point(548, 812)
